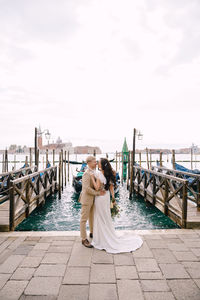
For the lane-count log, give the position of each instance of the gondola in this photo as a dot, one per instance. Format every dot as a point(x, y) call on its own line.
point(77, 180)
point(74, 162)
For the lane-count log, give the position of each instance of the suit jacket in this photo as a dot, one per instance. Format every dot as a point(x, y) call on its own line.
point(88, 191)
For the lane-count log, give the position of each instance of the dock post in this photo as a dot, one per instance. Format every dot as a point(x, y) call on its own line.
point(47, 157)
point(150, 154)
point(27, 198)
point(132, 165)
point(94, 153)
point(140, 158)
point(145, 186)
point(154, 190)
point(38, 159)
point(68, 165)
point(65, 169)
point(116, 160)
point(12, 207)
point(6, 160)
point(122, 169)
point(184, 206)
point(160, 158)
point(198, 194)
point(147, 154)
point(59, 177)
point(173, 159)
point(36, 149)
point(138, 187)
point(128, 177)
point(30, 150)
point(166, 197)
point(62, 169)
point(191, 158)
point(53, 157)
point(26, 161)
point(15, 162)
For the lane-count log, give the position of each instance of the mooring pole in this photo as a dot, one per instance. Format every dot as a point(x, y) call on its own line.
point(36, 148)
point(132, 166)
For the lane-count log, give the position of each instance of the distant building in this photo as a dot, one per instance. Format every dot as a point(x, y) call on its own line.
point(55, 146)
point(87, 150)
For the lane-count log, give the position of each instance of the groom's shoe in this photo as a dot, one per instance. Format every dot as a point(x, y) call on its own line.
point(86, 243)
point(91, 235)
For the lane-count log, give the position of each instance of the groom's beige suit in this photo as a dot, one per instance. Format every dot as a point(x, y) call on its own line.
point(87, 200)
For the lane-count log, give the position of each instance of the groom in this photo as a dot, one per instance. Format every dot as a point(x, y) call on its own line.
point(87, 200)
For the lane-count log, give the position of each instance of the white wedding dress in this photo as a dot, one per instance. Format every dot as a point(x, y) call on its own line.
point(104, 234)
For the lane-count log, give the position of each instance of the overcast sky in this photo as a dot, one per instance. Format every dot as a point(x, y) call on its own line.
point(92, 70)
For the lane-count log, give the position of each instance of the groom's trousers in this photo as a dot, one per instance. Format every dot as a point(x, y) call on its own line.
point(87, 213)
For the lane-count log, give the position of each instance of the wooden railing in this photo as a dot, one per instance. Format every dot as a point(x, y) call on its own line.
point(5, 179)
point(28, 192)
point(167, 192)
point(193, 186)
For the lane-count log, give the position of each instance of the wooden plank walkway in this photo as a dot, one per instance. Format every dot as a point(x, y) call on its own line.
point(174, 196)
point(25, 194)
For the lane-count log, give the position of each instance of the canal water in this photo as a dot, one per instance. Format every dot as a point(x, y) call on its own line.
point(64, 214)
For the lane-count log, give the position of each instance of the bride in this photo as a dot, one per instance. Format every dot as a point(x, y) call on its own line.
point(104, 234)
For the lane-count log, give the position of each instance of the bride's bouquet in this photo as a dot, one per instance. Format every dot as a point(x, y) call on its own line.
point(114, 208)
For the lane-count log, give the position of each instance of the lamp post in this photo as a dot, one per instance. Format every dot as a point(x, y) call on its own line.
point(47, 135)
point(140, 136)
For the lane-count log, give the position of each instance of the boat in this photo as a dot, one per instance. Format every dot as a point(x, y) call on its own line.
point(77, 180)
point(74, 162)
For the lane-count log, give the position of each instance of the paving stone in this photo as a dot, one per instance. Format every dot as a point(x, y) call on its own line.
point(3, 279)
point(169, 236)
point(152, 237)
point(63, 243)
point(178, 247)
point(102, 274)
point(156, 244)
point(196, 251)
point(193, 268)
point(24, 297)
point(184, 289)
point(125, 259)
point(13, 289)
point(154, 286)
point(197, 281)
point(126, 272)
point(185, 256)
point(15, 244)
point(64, 238)
point(32, 238)
point(60, 249)
point(144, 251)
point(43, 286)
point(31, 262)
point(50, 270)
point(159, 296)
point(174, 271)
point(23, 250)
point(23, 274)
point(103, 292)
point(72, 292)
point(37, 253)
point(11, 263)
point(146, 265)
point(150, 275)
point(77, 275)
point(80, 255)
point(41, 246)
point(189, 236)
point(174, 241)
point(164, 256)
point(129, 289)
point(102, 257)
point(55, 258)
point(192, 243)
point(46, 239)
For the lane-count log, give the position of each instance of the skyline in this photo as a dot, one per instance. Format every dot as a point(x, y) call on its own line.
point(91, 71)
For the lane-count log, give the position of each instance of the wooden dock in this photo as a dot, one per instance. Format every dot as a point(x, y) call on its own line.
point(23, 193)
point(174, 195)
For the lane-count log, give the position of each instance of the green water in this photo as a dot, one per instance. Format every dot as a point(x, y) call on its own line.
point(64, 214)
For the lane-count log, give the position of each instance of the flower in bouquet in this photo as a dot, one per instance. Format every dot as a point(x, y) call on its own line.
point(114, 208)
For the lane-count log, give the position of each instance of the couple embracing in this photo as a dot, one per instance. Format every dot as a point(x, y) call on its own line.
point(97, 187)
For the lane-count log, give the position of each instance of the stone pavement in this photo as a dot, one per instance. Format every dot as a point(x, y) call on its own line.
point(54, 265)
